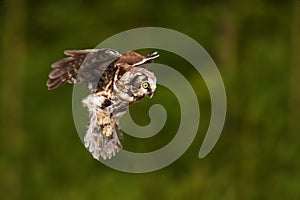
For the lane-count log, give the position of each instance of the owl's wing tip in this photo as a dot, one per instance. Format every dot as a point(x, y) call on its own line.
point(154, 54)
point(148, 59)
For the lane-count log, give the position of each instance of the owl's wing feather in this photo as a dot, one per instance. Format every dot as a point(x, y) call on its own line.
point(65, 70)
point(81, 66)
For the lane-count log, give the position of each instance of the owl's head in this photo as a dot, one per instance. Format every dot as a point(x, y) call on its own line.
point(135, 84)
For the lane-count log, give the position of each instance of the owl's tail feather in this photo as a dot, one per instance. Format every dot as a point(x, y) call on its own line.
point(100, 145)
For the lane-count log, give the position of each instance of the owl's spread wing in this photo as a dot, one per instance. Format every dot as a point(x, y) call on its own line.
point(135, 59)
point(103, 137)
point(82, 66)
point(101, 69)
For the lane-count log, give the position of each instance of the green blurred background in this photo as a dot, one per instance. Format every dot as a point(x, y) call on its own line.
point(255, 45)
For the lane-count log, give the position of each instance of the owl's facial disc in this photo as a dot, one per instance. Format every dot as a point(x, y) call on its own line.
point(148, 89)
point(135, 84)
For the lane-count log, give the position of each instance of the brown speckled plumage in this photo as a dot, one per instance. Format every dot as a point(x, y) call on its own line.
point(115, 81)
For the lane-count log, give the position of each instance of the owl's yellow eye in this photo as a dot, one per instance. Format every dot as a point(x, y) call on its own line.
point(145, 85)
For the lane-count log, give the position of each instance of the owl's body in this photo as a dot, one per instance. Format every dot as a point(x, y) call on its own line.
point(116, 81)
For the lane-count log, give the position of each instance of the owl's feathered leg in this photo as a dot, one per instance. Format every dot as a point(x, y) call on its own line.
point(100, 145)
point(103, 137)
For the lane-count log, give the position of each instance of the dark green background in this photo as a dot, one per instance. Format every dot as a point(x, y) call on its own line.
point(255, 45)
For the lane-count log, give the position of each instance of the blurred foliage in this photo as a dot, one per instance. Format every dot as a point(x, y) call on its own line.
point(255, 44)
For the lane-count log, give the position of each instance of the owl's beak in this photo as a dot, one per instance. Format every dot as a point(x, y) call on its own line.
point(150, 94)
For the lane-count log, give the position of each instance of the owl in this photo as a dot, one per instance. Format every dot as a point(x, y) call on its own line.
point(115, 81)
